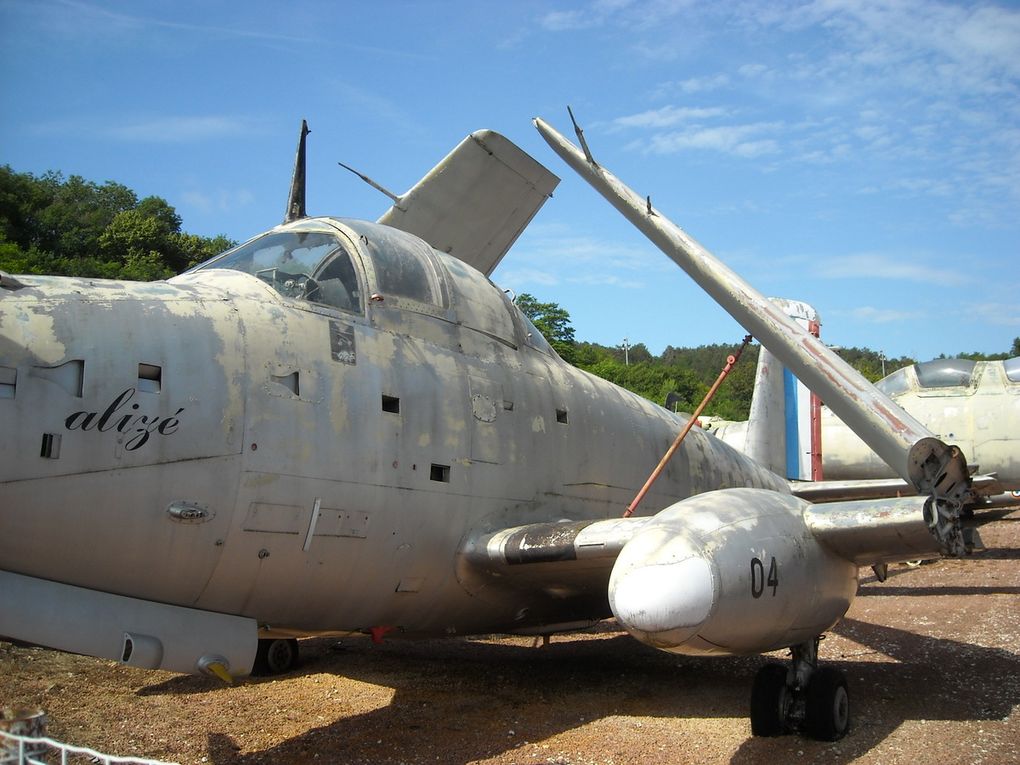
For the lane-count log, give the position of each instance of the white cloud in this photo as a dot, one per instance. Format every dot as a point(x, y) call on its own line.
point(871, 266)
point(624, 14)
point(703, 84)
point(752, 70)
point(523, 278)
point(94, 19)
point(550, 256)
point(1002, 314)
point(739, 140)
point(667, 116)
point(177, 129)
point(153, 129)
point(872, 315)
point(219, 201)
point(565, 21)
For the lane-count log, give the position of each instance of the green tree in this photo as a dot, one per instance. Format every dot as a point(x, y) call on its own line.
point(1015, 350)
point(80, 228)
point(553, 321)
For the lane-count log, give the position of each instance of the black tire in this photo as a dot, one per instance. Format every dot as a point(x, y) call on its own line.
point(827, 713)
point(770, 701)
point(275, 656)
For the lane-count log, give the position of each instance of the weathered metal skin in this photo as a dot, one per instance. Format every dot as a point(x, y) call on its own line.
point(930, 465)
point(977, 408)
point(217, 443)
point(730, 572)
point(981, 415)
point(336, 428)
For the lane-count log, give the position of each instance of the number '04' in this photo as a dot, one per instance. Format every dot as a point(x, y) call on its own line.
point(758, 579)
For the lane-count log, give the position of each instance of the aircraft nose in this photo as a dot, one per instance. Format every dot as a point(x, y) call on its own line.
point(667, 602)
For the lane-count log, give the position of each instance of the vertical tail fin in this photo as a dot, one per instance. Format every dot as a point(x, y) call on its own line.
point(784, 429)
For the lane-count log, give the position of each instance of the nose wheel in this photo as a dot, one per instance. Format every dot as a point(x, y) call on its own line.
point(275, 656)
point(802, 697)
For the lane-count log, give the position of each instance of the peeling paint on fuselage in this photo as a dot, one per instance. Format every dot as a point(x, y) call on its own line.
point(361, 510)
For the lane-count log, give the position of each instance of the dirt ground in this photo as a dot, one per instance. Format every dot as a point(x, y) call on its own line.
point(932, 656)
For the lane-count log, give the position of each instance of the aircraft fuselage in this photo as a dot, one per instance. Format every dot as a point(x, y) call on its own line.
point(215, 443)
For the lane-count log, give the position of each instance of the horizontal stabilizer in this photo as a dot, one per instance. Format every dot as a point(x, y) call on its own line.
point(476, 202)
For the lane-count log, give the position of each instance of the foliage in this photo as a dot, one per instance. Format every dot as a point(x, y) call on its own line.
point(689, 372)
point(75, 227)
point(872, 364)
point(552, 321)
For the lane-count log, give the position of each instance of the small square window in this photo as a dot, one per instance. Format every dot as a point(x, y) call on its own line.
point(440, 473)
point(50, 446)
point(561, 416)
point(150, 378)
point(391, 404)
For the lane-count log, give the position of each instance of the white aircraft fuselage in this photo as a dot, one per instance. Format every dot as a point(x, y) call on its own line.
point(215, 444)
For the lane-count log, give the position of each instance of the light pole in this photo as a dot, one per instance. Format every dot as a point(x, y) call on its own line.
point(626, 353)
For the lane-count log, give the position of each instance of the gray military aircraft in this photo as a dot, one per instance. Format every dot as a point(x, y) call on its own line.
point(343, 427)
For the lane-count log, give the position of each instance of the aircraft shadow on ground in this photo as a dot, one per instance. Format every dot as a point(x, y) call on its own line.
point(885, 695)
point(458, 701)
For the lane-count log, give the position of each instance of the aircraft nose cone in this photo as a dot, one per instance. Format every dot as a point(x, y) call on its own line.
point(666, 602)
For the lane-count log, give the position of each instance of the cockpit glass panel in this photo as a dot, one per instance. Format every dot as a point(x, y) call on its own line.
point(305, 265)
point(402, 264)
point(1012, 367)
point(945, 373)
point(897, 382)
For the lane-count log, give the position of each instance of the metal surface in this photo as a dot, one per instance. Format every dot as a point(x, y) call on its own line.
point(730, 572)
point(476, 202)
point(296, 199)
point(337, 428)
point(980, 413)
point(309, 467)
point(903, 442)
point(132, 631)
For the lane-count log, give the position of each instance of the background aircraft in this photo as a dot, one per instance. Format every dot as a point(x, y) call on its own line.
point(974, 404)
point(337, 427)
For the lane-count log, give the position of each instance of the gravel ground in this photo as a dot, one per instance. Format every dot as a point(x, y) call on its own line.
point(932, 656)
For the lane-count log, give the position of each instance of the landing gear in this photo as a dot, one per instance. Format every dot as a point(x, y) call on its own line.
point(827, 713)
point(770, 701)
point(803, 697)
point(275, 656)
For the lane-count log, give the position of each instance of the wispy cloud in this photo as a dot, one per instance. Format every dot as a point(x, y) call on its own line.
point(667, 116)
point(872, 266)
point(524, 278)
point(629, 14)
point(152, 129)
point(127, 21)
point(178, 129)
point(79, 19)
point(873, 315)
point(547, 257)
point(218, 201)
point(1002, 314)
point(739, 140)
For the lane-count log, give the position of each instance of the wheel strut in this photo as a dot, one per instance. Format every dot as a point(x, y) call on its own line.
point(800, 697)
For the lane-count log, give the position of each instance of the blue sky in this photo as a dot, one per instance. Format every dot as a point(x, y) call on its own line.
point(862, 156)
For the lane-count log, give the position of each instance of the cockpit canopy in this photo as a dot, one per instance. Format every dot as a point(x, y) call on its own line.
point(337, 263)
point(940, 373)
point(307, 265)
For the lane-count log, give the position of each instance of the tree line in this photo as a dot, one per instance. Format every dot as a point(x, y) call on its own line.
point(688, 373)
point(74, 227)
